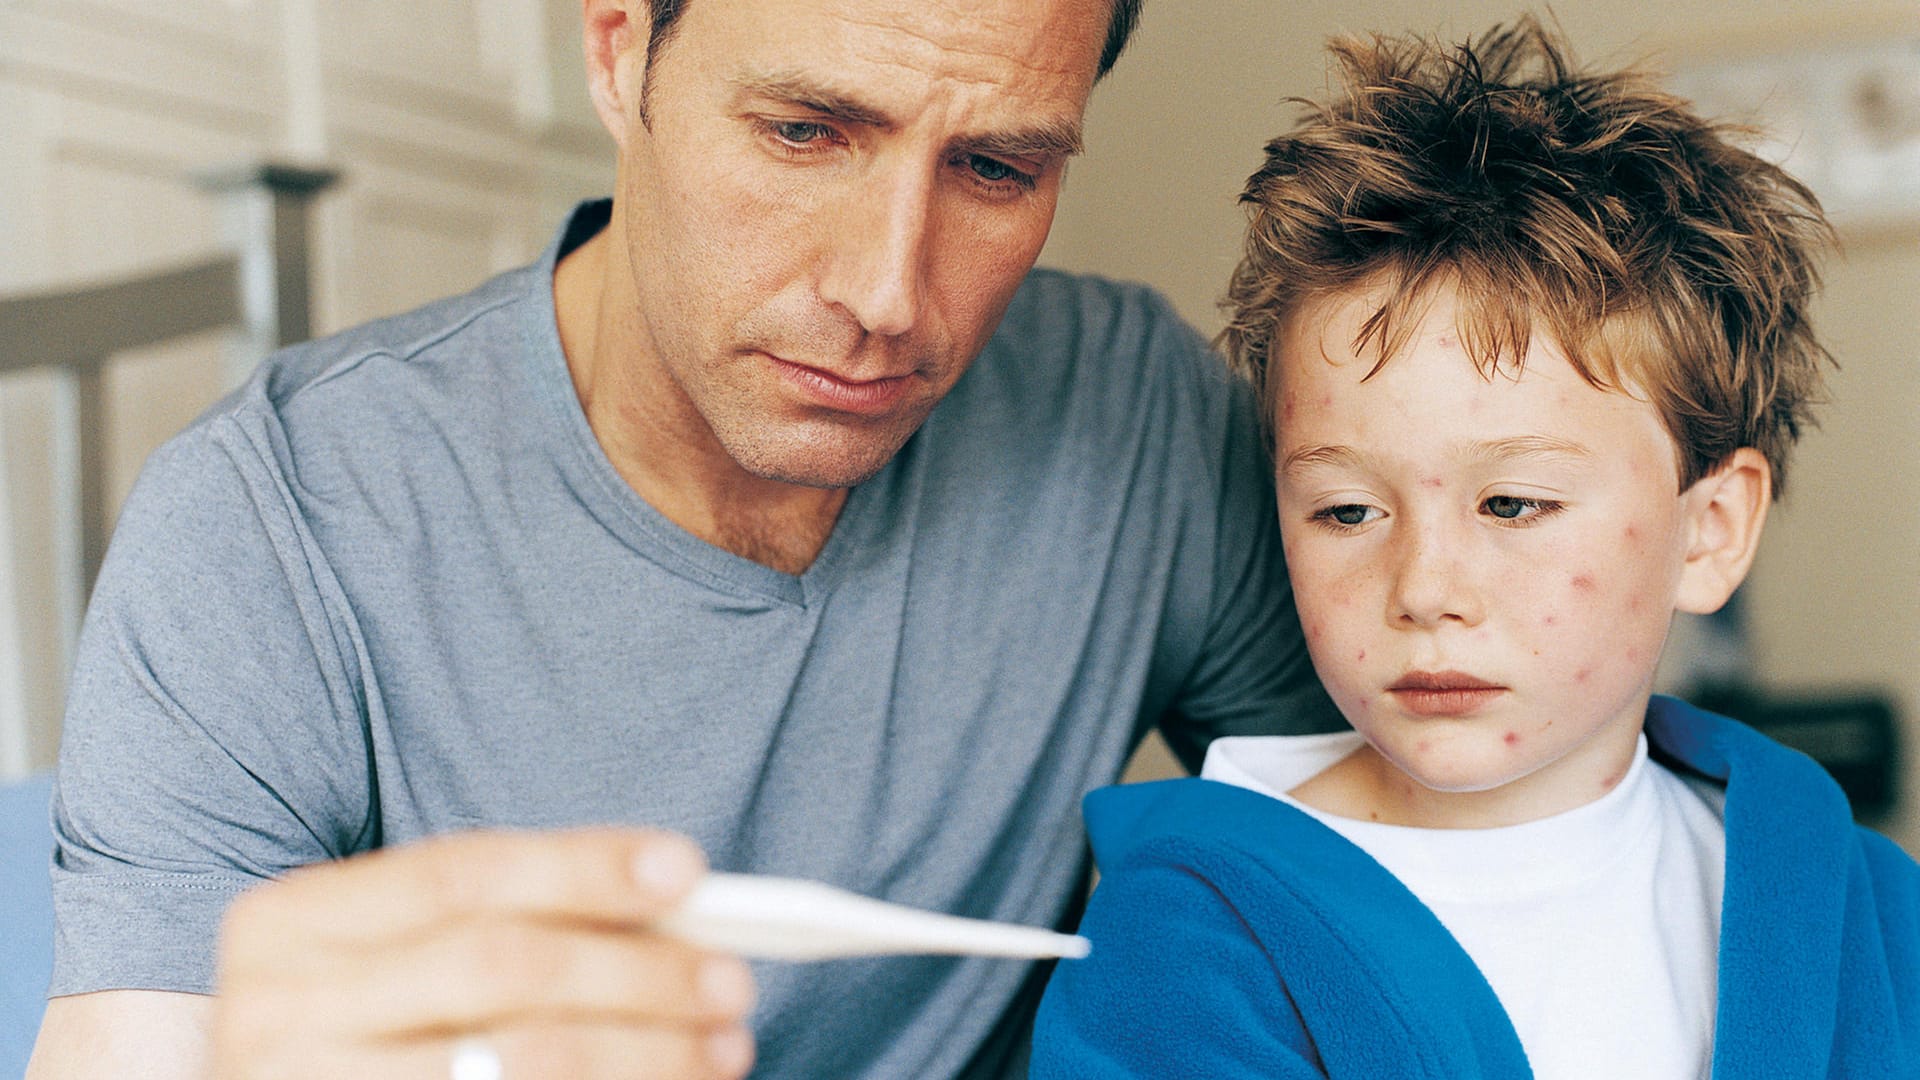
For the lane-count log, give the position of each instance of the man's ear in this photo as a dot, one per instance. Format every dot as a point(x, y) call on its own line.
point(615, 34)
point(1725, 511)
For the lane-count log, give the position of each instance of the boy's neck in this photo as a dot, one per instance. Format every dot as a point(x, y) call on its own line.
point(1367, 786)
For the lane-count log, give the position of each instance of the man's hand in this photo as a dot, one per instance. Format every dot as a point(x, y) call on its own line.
point(535, 943)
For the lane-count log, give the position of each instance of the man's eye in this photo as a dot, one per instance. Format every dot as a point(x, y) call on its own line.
point(800, 132)
point(994, 171)
point(1513, 507)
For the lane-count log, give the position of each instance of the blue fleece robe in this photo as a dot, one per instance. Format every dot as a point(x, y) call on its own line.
point(1235, 936)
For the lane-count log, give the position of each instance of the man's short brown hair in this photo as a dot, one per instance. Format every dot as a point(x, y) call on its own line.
point(1659, 255)
point(1126, 15)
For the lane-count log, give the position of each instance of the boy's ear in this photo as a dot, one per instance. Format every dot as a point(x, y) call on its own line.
point(1725, 510)
point(615, 35)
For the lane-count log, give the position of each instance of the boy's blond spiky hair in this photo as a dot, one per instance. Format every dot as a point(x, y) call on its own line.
point(1658, 254)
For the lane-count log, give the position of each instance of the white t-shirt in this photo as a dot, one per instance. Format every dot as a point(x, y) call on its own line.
point(1598, 928)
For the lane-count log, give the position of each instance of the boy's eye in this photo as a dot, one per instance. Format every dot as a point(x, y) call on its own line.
point(1348, 514)
point(1513, 507)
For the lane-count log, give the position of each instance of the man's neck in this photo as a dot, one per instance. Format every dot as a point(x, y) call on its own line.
point(654, 438)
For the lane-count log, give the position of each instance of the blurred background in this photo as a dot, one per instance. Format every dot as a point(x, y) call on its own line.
point(462, 134)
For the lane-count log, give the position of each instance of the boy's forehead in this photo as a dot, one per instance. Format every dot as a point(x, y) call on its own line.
point(1332, 329)
point(1431, 397)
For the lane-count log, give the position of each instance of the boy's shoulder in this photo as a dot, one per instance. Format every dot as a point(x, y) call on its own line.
point(1131, 821)
point(1294, 919)
point(1271, 863)
point(1820, 918)
point(1757, 772)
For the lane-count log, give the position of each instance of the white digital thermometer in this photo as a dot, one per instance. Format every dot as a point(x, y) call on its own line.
point(776, 918)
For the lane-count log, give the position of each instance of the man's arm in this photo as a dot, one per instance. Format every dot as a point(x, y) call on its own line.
point(136, 1034)
point(211, 811)
point(1253, 675)
point(381, 965)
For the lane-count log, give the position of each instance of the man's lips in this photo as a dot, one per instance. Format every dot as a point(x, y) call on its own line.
point(1443, 693)
point(822, 387)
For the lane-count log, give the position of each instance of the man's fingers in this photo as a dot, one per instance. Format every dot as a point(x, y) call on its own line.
point(544, 1049)
point(618, 877)
point(484, 974)
point(537, 942)
point(571, 1049)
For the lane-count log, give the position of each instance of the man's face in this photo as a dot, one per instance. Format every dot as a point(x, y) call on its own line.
point(831, 204)
point(1485, 568)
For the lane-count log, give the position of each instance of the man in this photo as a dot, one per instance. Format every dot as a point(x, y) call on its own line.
point(667, 531)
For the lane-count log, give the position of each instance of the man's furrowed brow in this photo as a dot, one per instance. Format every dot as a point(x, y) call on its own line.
point(1045, 142)
point(811, 95)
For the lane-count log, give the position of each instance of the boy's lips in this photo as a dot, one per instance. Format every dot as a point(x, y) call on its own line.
point(1443, 693)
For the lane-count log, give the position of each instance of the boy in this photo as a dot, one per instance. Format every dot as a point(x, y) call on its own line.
point(1534, 346)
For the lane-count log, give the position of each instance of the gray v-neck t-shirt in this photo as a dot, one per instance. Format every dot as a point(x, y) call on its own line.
point(393, 587)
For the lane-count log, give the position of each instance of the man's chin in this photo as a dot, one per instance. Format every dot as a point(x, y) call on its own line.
point(843, 464)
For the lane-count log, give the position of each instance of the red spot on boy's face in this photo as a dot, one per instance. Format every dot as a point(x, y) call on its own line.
point(1360, 656)
point(1583, 582)
point(1513, 738)
point(1583, 675)
point(1434, 482)
point(1551, 620)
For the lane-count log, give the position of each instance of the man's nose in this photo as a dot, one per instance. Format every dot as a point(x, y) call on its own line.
point(1431, 582)
point(877, 254)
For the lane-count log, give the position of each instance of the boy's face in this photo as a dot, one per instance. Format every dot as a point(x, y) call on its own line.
point(1485, 568)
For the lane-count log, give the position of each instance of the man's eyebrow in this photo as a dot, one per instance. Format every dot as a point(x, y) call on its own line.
point(1047, 140)
point(811, 95)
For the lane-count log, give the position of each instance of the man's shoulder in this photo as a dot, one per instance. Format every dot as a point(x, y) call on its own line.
point(356, 398)
point(471, 329)
point(1087, 352)
point(1060, 309)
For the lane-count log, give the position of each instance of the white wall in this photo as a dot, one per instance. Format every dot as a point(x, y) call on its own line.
point(1835, 598)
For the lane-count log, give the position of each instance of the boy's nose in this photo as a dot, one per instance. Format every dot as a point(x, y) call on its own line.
point(1431, 586)
point(877, 252)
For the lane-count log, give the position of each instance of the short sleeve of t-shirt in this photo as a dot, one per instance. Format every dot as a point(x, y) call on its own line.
point(208, 744)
